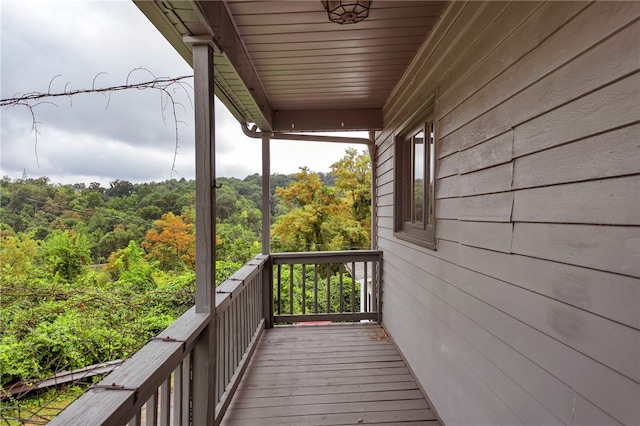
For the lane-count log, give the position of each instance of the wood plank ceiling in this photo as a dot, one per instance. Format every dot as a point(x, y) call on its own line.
point(304, 68)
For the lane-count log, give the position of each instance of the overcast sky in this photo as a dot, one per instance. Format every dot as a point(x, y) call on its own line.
point(95, 138)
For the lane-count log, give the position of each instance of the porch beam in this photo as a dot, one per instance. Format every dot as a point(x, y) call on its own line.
point(216, 18)
point(327, 120)
point(204, 354)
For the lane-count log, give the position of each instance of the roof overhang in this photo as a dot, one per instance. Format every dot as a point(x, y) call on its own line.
point(284, 67)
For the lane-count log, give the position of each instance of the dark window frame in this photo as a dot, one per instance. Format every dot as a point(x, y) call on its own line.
point(407, 190)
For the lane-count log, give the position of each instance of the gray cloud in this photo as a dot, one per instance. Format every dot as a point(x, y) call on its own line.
point(83, 140)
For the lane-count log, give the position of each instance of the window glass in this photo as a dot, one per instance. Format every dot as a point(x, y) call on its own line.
point(415, 184)
point(417, 202)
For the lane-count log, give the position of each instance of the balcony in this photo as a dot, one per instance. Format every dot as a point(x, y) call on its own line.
point(295, 339)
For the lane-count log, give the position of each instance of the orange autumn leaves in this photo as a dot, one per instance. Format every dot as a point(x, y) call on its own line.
point(172, 242)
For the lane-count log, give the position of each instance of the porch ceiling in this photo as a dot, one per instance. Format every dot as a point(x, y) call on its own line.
point(285, 67)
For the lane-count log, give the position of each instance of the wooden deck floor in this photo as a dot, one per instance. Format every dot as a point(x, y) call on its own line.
point(345, 374)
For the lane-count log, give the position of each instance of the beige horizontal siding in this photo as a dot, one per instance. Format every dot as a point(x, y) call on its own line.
point(529, 310)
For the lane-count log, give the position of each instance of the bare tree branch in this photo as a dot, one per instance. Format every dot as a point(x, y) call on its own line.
point(167, 86)
point(162, 83)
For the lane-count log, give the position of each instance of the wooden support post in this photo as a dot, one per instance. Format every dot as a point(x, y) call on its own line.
point(374, 190)
point(267, 293)
point(267, 273)
point(204, 353)
point(266, 195)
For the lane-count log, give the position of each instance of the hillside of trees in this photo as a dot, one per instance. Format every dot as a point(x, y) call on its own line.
point(89, 274)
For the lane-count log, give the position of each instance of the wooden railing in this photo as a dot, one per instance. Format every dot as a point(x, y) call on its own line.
point(154, 386)
point(326, 286)
point(240, 321)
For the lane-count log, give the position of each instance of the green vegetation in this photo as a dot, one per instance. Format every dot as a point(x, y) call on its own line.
point(317, 299)
point(89, 274)
point(318, 217)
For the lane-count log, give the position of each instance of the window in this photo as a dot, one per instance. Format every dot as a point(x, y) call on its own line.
point(415, 183)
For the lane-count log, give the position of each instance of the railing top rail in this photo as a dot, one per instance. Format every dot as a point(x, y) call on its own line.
point(186, 328)
point(118, 396)
point(235, 284)
point(326, 257)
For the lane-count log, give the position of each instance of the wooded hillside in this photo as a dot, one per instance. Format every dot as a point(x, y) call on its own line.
point(90, 274)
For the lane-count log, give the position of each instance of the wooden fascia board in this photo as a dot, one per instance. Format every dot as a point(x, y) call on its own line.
point(215, 16)
point(327, 120)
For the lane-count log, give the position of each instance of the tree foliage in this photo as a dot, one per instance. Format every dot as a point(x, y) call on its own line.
point(319, 217)
point(88, 274)
point(65, 253)
point(316, 301)
point(172, 243)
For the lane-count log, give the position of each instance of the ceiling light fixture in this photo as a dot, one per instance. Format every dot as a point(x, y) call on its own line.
point(346, 11)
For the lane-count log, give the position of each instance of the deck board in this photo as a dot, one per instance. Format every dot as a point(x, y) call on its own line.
point(328, 375)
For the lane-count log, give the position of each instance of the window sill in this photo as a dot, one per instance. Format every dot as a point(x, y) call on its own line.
point(415, 239)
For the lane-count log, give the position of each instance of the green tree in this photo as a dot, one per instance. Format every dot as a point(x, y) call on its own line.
point(353, 180)
point(235, 243)
point(120, 188)
point(66, 253)
point(172, 243)
point(319, 217)
point(130, 269)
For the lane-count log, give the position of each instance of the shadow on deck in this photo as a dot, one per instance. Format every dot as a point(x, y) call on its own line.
point(327, 375)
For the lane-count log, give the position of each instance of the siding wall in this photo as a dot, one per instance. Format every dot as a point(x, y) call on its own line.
point(529, 311)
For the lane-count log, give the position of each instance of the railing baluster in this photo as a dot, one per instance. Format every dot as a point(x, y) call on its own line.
point(135, 421)
point(177, 394)
point(328, 288)
point(165, 402)
point(374, 287)
point(341, 272)
point(315, 288)
point(151, 412)
point(185, 404)
point(235, 336)
point(232, 341)
point(242, 310)
point(248, 299)
point(257, 301)
point(238, 334)
point(247, 315)
point(251, 298)
point(366, 289)
point(304, 289)
point(279, 290)
point(230, 344)
point(220, 354)
point(353, 287)
point(291, 289)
